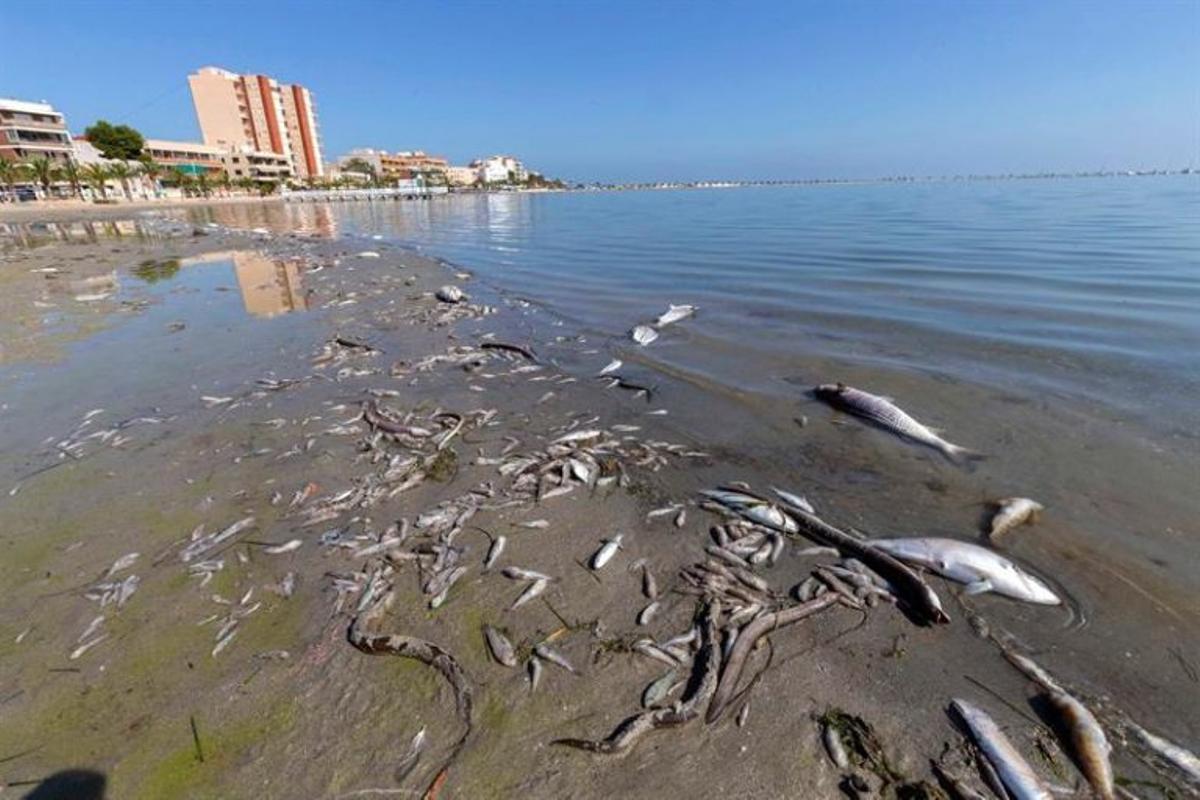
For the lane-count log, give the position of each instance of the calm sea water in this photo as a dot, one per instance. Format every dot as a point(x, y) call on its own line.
point(1084, 290)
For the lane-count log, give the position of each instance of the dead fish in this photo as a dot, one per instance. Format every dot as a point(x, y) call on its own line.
point(224, 642)
point(681, 518)
point(658, 689)
point(743, 714)
point(1014, 771)
point(501, 648)
point(883, 412)
point(548, 653)
point(537, 524)
point(613, 366)
point(1013, 512)
point(1088, 744)
point(286, 547)
point(659, 512)
point(649, 585)
point(980, 569)
point(211, 401)
point(522, 574)
point(648, 613)
point(834, 747)
point(531, 591)
point(1182, 759)
point(651, 650)
point(535, 673)
point(494, 551)
point(794, 500)
point(124, 562)
point(83, 648)
point(409, 762)
point(674, 313)
point(643, 334)
point(606, 551)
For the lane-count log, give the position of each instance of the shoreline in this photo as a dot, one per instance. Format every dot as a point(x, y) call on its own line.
point(895, 676)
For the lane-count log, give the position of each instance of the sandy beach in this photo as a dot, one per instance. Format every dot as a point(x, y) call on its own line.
point(223, 450)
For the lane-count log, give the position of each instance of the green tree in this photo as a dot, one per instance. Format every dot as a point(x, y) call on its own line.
point(70, 173)
point(44, 172)
point(359, 165)
point(267, 187)
point(122, 172)
point(224, 182)
point(10, 173)
point(152, 171)
point(97, 177)
point(203, 185)
point(115, 141)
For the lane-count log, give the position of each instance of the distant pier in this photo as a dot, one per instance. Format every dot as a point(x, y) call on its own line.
point(370, 195)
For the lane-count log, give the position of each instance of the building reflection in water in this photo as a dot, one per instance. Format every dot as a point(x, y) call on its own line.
point(304, 218)
point(269, 286)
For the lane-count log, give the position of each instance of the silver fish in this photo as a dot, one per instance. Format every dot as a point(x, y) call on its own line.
point(649, 585)
point(409, 762)
point(884, 413)
point(979, 568)
point(1180, 758)
point(794, 500)
point(501, 648)
point(833, 745)
point(606, 551)
point(522, 574)
point(537, 524)
point(286, 547)
point(658, 689)
point(1013, 512)
point(548, 653)
point(535, 673)
point(648, 613)
point(1089, 745)
point(494, 551)
point(674, 313)
point(643, 334)
point(1015, 773)
point(612, 366)
point(531, 591)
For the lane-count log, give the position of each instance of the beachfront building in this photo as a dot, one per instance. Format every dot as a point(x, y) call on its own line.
point(257, 113)
point(263, 167)
point(31, 130)
point(192, 158)
point(462, 176)
point(500, 169)
point(403, 165)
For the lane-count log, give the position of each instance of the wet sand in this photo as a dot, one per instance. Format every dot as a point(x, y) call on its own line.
point(288, 708)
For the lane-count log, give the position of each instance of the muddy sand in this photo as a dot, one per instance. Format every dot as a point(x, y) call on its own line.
point(196, 396)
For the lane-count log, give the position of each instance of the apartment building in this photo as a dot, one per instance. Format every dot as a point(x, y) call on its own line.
point(257, 113)
point(462, 176)
point(404, 164)
point(501, 169)
point(30, 130)
point(191, 157)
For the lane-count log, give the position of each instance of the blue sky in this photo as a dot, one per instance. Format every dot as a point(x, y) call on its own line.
point(670, 90)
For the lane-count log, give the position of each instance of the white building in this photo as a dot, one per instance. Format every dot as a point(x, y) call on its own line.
point(462, 176)
point(500, 169)
point(32, 130)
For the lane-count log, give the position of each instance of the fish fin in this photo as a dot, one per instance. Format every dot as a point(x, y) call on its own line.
point(962, 456)
point(979, 587)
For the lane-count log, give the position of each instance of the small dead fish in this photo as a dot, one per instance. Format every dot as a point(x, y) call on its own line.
point(1014, 512)
point(834, 747)
point(409, 762)
point(606, 551)
point(83, 648)
point(1015, 773)
point(535, 673)
point(531, 591)
point(681, 518)
point(224, 642)
point(522, 574)
point(537, 524)
point(647, 613)
point(643, 334)
point(649, 585)
point(674, 313)
point(743, 713)
point(548, 653)
point(658, 689)
point(210, 401)
point(613, 366)
point(660, 512)
point(286, 547)
point(1182, 759)
point(494, 551)
point(501, 648)
point(794, 500)
point(124, 562)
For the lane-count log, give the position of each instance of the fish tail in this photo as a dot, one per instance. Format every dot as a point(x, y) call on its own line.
point(963, 456)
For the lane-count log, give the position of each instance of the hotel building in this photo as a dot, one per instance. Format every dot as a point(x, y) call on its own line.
point(257, 113)
point(30, 130)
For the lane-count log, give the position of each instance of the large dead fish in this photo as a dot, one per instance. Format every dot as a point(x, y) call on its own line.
point(501, 648)
point(884, 413)
point(979, 568)
point(1015, 773)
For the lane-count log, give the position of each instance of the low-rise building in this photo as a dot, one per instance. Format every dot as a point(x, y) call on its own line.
point(462, 176)
point(501, 169)
point(393, 166)
point(192, 158)
point(256, 165)
point(31, 130)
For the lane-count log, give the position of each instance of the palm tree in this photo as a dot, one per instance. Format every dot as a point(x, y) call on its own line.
point(97, 177)
point(45, 172)
point(247, 183)
point(202, 184)
point(10, 173)
point(224, 182)
point(152, 170)
point(71, 173)
point(122, 172)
